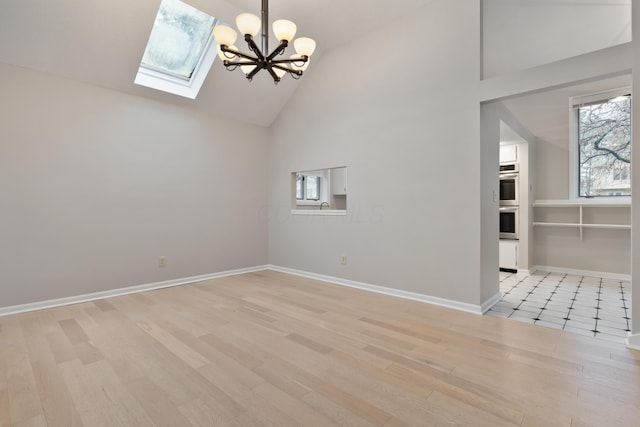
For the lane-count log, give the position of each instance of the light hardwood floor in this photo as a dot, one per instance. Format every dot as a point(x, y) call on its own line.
point(272, 349)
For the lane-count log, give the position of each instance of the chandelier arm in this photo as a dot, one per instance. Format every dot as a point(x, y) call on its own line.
point(283, 45)
point(230, 66)
point(259, 66)
point(253, 46)
point(276, 79)
point(237, 64)
point(224, 48)
point(298, 61)
point(287, 69)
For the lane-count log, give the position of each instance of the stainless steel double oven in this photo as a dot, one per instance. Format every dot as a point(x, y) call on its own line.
point(509, 201)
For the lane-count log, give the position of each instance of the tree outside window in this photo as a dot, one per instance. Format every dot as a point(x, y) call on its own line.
point(604, 132)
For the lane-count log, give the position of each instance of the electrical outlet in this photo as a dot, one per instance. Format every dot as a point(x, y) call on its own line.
point(343, 260)
point(162, 262)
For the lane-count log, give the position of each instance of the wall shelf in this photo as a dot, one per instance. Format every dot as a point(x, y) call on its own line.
point(583, 214)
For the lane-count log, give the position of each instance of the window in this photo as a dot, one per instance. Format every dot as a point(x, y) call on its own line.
point(319, 192)
point(621, 175)
point(179, 52)
point(308, 187)
point(603, 144)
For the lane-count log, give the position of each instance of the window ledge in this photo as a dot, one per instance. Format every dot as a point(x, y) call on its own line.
point(328, 212)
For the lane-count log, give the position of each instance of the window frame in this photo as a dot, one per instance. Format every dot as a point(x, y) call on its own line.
point(154, 78)
point(574, 151)
point(305, 200)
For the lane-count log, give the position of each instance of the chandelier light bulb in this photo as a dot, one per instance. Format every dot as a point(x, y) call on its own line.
point(246, 69)
point(224, 35)
point(284, 29)
point(304, 46)
point(248, 23)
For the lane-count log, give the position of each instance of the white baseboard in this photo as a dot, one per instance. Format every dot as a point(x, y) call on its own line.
point(491, 302)
point(40, 305)
point(443, 302)
point(577, 272)
point(462, 306)
point(633, 341)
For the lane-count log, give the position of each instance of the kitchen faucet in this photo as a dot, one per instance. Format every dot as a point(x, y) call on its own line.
point(324, 203)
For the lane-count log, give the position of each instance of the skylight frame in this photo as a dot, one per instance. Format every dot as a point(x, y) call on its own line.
point(176, 83)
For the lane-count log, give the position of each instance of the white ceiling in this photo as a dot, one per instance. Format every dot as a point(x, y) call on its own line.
point(101, 43)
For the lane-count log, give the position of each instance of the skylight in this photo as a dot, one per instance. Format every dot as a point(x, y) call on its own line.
point(179, 52)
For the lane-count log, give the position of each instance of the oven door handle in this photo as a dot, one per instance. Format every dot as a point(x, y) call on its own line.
point(508, 175)
point(508, 209)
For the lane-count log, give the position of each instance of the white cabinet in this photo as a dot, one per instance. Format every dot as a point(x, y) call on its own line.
point(508, 254)
point(339, 181)
point(508, 153)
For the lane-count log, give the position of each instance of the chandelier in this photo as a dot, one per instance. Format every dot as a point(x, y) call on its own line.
point(260, 59)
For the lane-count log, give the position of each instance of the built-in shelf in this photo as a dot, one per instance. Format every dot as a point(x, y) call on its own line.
point(583, 214)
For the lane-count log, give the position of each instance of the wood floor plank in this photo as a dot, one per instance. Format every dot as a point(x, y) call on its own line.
point(291, 406)
point(115, 390)
point(60, 347)
point(457, 412)
point(57, 404)
point(268, 348)
point(88, 395)
point(309, 343)
point(388, 397)
point(73, 331)
point(549, 421)
point(338, 413)
point(36, 421)
point(190, 356)
point(475, 394)
point(204, 413)
point(24, 400)
point(5, 417)
point(118, 349)
point(87, 352)
point(104, 305)
point(350, 400)
point(156, 403)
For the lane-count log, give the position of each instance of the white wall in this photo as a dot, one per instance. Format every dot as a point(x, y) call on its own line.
point(604, 251)
point(522, 34)
point(95, 185)
point(400, 109)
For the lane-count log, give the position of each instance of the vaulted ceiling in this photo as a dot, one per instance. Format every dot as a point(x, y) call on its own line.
point(101, 43)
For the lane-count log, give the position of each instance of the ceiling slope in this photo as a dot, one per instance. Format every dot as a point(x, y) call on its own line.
point(101, 43)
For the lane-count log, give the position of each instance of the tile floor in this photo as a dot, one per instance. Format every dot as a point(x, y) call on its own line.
point(584, 305)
